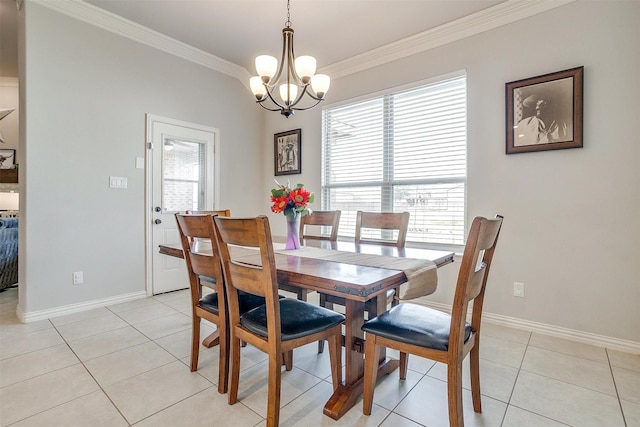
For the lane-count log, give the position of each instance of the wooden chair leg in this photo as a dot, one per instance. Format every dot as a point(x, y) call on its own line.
point(323, 303)
point(195, 342)
point(454, 392)
point(223, 363)
point(335, 358)
point(288, 360)
point(371, 356)
point(273, 400)
point(404, 361)
point(234, 374)
point(474, 361)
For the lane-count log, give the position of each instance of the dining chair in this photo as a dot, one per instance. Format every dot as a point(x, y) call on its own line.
point(446, 338)
point(205, 264)
point(278, 326)
point(323, 219)
point(221, 212)
point(386, 222)
point(326, 219)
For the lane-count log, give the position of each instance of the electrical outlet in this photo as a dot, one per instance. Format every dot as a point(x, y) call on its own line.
point(78, 278)
point(518, 289)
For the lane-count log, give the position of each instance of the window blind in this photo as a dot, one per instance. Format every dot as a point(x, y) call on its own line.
point(400, 151)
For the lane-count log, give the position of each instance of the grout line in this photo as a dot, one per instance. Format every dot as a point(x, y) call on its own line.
point(615, 385)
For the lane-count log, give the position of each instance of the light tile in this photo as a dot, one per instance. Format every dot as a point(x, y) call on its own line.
point(10, 326)
point(631, 413)
point(427, 404)
point(135, 304)
point(624, 360)
point(143, 314)
point(162, 327)
point(20, 344)
point(573, 370)
point(114, 367)
point(571, 348)
point(511, 334)
point(155, 390)
point(309, 360)
point(179, 344)
point(628, 384)
point(30, 397)
point(496, 380)
point(107, 342)
point(94, 410)
point(205, 409)
point(253, 387)
point(182, 305)
point(80, 316)
point(90, 326)
point(35, 363)
point(306, 411)
point(566, 403)
point(395, 420)
point(390, 389)
point(502, 351)
point(207, 363)
point(168, 296)
point(517, 417)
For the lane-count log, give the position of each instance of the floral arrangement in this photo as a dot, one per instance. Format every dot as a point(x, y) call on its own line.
point(291, 201)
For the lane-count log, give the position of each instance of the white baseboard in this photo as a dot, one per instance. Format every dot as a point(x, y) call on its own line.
point(33, 316)
point(551, 330)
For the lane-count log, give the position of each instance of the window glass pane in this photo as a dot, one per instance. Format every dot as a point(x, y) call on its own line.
point(182, 175)
point(402, 151)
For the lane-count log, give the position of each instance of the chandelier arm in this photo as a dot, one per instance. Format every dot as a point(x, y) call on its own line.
point(272, 99)
point(300, 95)
point(307, 108)
point(267, 108)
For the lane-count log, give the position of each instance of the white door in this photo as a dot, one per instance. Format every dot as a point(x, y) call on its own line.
point(181, 176)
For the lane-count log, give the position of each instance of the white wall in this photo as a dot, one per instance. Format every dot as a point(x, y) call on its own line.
point(88, 91)
point(571, 228)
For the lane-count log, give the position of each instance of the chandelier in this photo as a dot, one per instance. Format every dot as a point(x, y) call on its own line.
point(293, 77)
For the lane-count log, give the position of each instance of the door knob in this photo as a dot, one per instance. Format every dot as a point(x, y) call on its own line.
point(157, 209)
point(158, 221)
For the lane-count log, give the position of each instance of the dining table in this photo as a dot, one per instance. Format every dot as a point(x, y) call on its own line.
point(318, 266)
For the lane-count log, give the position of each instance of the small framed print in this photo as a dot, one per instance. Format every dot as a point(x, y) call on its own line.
point(287, 149)
point(545, 112)
point(7, 159)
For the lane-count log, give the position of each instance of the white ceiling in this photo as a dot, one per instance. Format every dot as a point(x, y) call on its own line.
point(239, 30)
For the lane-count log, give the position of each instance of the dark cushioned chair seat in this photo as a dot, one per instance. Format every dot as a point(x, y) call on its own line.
point(415, 324)
point(247, 302)
point(297, 318)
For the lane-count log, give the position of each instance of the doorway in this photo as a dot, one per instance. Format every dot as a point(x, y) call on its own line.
point(182, 174)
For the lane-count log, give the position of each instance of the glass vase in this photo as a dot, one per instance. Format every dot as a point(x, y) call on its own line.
point(293, 231)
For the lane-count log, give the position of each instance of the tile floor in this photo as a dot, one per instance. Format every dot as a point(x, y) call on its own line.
point(127, 364)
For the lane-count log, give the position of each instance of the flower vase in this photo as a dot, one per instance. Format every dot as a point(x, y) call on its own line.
point(293, 231)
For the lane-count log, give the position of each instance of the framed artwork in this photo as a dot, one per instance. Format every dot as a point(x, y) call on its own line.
point(287, 149)
point(7, 159)
point(545, 112)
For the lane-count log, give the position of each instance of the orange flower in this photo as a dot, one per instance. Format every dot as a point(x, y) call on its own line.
point(279, 204)
point(299, 196)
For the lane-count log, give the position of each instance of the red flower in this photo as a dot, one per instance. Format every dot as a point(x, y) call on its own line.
point(300, 197)
point(279, 204)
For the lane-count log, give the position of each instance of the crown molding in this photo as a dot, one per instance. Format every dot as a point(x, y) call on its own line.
point(485, 20)
point(118, 25)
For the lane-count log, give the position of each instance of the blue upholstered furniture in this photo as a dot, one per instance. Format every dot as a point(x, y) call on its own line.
point(8, 252)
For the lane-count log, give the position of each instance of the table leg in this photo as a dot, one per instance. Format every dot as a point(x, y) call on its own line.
point(347, 394)
point(212, 340)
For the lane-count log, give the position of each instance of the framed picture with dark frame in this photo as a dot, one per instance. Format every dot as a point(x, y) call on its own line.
point(545, 112)
point(7, 159)
point(287, 151)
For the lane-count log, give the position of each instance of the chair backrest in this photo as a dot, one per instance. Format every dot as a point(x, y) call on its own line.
point(472, 278)
point(321, 218)
point(192, 228)
point(258, 277)
point(383, 221)
point(222, 212)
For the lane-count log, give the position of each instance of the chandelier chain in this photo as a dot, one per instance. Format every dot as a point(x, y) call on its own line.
point(288, 22)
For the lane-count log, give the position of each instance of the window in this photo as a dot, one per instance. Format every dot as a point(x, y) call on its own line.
point(183, 180)
point(400, 151)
